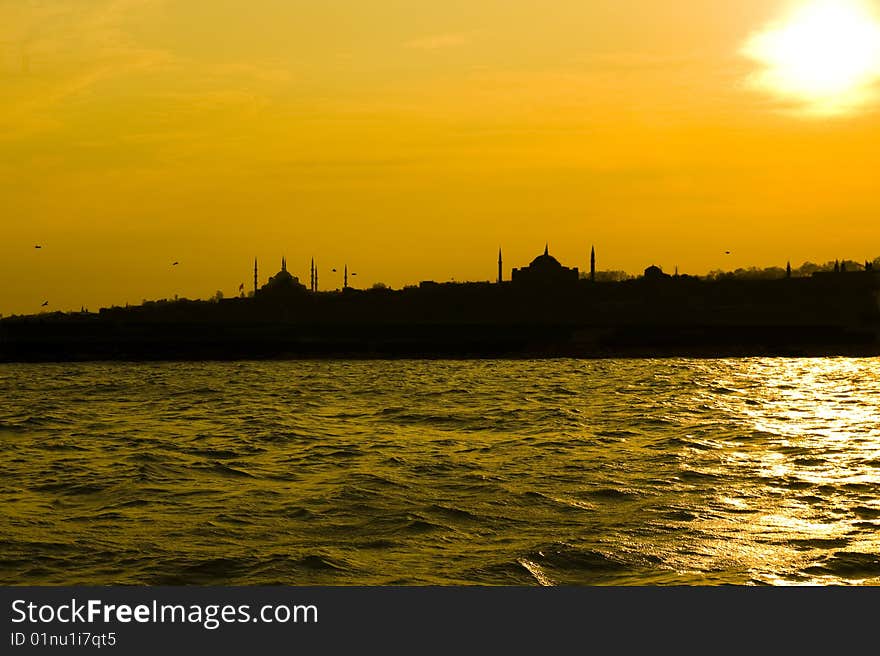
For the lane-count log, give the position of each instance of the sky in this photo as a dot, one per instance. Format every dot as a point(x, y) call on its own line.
point(410, 139)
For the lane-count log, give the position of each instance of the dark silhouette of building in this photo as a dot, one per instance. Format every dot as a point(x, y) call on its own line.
point(545, 270)
point(282, 285)
point(592, 264)
point(654, 272)
point(256, 283)
point(313, 277)
point(499, 266)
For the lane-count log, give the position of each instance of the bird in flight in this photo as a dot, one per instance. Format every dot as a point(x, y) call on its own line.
point(175, 263)
point(37, 246)
point(727, 252)
point(45, 303)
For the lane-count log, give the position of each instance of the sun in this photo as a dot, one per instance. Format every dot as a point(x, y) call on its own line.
point(826, 54)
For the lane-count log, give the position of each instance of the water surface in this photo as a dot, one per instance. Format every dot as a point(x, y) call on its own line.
point(742, 471)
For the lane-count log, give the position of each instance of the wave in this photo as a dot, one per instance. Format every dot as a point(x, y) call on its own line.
point(848, 565)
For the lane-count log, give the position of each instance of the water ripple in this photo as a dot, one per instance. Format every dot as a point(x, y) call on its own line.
point(551, 472)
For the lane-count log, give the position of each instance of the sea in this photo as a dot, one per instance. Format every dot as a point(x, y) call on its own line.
point(749, 471)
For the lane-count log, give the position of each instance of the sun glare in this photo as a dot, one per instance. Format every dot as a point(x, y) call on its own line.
point(825, 54)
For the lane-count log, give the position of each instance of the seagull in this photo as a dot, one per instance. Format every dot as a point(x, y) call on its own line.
point(175, 263)
point(45, 303)
point(727, 252)
point(37, 246)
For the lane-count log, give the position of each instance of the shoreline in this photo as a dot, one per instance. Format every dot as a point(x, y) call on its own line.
point(627, 354)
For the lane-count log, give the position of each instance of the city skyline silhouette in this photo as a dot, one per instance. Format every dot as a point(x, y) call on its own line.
point(342, 278)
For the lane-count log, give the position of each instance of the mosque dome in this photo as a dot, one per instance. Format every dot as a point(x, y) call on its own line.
point(282, 282)
point(545, 269)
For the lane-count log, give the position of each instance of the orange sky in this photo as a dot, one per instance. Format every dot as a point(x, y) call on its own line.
point(409, 139)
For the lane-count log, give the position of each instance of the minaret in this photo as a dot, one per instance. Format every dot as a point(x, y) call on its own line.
point(788, 269)
point(499, 265)
point(592, 264)
point(345, 278)
point(316, 277)
point(312, 276)
point(284, 264)
point(546, 249)
point(255, 276)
